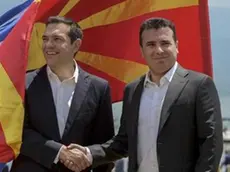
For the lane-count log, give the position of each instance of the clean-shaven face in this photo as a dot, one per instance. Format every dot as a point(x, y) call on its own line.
point(159, 49)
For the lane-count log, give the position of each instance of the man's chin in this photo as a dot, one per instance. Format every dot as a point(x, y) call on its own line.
point(51, 64)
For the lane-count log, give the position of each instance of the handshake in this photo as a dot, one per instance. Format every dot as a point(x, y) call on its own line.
point(75, 157)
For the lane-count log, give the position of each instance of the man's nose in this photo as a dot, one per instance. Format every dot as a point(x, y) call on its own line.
point(159, 49)
point(49, 44)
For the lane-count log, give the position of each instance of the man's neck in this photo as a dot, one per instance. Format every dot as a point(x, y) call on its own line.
point(156, 77)
point(64, 71)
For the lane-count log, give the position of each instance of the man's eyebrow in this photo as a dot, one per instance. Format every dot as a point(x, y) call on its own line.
point(165, 41)
point(53, 35)
point(150, 42)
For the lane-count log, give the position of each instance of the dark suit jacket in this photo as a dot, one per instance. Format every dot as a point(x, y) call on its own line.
point(190, 130)
point(90, 121)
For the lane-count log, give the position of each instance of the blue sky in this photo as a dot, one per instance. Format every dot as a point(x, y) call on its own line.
point(219, 3)
point(220, 38)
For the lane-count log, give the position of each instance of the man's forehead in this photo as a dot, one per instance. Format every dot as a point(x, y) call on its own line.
point(56, 29)
point(159, 32)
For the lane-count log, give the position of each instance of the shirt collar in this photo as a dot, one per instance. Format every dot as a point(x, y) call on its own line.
point(75, 74)
point(168, 76)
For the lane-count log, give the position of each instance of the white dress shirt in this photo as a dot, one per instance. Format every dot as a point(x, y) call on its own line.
point(62, 95)
point(63, 92)
point(149, 117)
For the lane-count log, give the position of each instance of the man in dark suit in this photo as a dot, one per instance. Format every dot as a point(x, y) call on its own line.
point(171, 118)
point(63, 105)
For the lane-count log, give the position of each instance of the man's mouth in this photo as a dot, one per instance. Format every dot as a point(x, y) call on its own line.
point(160, 58)
point(51, 53)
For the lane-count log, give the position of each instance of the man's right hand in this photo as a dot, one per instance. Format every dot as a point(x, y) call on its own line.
point(74, 160)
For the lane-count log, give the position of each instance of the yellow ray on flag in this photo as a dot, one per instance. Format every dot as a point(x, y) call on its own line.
point(123, 70)
point(68, 7)
point(10, 106)
point(36, 57)
point(132, 8)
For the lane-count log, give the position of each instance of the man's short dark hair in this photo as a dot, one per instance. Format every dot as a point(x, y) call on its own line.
point(75, 30)
point(156, 23)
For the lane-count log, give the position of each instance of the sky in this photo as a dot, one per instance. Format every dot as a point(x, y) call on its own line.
point(220, 39)
point(219, 3)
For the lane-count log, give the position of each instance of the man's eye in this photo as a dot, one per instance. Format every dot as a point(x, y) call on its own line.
point(150, 45)
point(44, 39)
point(165, 43)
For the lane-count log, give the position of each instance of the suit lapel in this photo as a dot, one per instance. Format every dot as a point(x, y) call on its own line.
point(80, 93)
point(135, 105)
point(134, 110)
point(47, 103)
point(175, 88)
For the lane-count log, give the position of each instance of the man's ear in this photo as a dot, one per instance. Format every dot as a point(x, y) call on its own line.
point(141, 50)
point(77, 44)
point(177, 46)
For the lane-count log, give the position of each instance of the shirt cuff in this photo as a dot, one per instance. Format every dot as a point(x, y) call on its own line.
point(57, 157)
point(89, 155)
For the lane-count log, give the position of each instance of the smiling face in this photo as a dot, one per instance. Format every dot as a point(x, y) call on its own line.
point(57, 47)
point(159, 49)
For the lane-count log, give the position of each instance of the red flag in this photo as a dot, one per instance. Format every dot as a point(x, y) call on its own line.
point(111, 31)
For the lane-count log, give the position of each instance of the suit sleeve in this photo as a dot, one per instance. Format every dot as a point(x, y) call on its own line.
point(103, 128)
point(209, 127)
point(36, 146)
point(114, 149)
